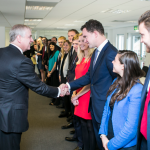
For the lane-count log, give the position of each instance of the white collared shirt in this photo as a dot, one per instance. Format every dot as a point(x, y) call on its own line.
point(101, 47)
point(17, 47)
point(148, 86)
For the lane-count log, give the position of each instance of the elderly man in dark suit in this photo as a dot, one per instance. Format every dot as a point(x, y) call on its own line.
point(16, 77)
point(143, 139)
point(100, 74)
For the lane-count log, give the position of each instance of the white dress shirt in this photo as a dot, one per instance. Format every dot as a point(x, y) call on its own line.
point(17, 47)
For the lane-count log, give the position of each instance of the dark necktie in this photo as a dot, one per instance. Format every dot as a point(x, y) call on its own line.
point(95, 57)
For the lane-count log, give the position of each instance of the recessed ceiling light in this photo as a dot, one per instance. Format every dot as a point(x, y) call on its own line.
point(33, 20)
point(117, 11)
point(38, 8)
point(29, 24)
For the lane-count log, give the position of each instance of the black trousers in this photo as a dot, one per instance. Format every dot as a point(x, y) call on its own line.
point(78, 130)
point(88, 135)
point(10, 141)
point(143, 144)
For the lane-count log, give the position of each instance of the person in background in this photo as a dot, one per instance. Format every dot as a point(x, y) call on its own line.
point(61, 39)
point(81, 97)
point(48, 41)
point(52, 74)
point(71, 34)
point(143, 138)
point(54, 39)
point(62, 75)
point(70, 77)
point(39, 59)
point(123, 104)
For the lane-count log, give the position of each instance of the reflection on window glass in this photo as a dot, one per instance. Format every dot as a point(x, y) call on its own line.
point(120, 42)
point(143, 53)
point(136, 45)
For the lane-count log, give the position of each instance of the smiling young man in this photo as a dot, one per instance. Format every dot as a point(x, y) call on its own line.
point(100, 74)
point(143, 139)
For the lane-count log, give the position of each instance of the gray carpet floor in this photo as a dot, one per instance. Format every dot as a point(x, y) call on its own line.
point(45, 131)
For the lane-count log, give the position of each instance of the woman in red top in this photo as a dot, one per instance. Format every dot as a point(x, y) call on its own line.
point(81, 97)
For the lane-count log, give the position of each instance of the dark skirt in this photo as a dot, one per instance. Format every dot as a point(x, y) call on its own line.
point(53, 80)
point(39, 65)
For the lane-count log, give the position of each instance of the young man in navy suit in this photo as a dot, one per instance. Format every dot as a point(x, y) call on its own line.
point(100, 74)
point(143, 139)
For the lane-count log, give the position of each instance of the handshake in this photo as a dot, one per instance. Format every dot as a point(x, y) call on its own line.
point(64, 90)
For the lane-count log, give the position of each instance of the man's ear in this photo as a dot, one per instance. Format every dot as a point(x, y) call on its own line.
point(96, 33)
point(19, 38)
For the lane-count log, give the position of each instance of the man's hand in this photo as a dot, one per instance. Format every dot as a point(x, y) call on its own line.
point(64, 90)
point(105, 142)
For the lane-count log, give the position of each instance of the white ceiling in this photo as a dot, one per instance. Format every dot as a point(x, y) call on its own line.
point(68, 11)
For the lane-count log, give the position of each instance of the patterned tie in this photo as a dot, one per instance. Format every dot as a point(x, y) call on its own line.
point(95, 58)
point(143, 128)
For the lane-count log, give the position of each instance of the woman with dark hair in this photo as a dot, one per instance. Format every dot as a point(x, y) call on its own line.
point(52, 58)
point(118, 129)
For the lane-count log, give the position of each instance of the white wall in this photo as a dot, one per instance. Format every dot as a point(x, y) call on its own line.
point(127, 31)
point(2, 37)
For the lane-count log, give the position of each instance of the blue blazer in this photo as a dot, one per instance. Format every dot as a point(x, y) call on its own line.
point(124, 119)
point(143, 98)
point(100, 77)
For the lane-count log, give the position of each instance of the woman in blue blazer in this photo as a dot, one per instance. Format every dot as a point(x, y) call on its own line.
point(118, 129)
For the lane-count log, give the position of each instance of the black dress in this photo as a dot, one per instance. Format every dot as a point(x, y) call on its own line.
point(39, 60)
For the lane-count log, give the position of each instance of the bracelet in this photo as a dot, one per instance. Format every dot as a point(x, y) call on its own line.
point(102, 135)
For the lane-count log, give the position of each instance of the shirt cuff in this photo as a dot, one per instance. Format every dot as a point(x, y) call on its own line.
point(58, 92)
point(68, 86)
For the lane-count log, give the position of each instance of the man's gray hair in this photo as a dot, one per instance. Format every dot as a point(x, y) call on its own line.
point(18, 29)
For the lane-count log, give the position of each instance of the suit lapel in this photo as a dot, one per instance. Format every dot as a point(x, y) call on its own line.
point(72, 59)
point(99, 59)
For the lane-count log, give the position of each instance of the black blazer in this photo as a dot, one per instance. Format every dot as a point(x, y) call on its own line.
point(72, 66)
point(16, 77)
point(100, 78)
point(143, 98)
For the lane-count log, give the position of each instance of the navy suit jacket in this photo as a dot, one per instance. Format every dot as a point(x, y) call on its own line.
point(100, 77)
point(16, 77)
point(143, 98)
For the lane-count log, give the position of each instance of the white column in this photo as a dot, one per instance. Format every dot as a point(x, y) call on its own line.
point(2, 37)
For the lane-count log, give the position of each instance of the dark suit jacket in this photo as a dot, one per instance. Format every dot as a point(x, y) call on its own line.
point(16, 77)
point(72, 66)
point(143, 98)
point(100, 78)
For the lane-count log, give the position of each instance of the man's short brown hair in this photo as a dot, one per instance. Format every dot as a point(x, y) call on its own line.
point(145, 18)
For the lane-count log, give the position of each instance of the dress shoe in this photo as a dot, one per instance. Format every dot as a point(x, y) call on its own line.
point(72, 132)
point(60, 106)
point(62, 111)
point(63, 115)
point(69, 118)
point(69, 125)
point(71, 139)
point(78, 148)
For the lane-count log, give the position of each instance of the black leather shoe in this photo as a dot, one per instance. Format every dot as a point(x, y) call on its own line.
point(69, 118)
point(71, 139)
point(72, 132)
point(78, 148)
point(69, 125)
point(60, 106)
point(63, 115)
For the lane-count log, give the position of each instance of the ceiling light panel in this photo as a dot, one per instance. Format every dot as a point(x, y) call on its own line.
point(38, 8)
point(117, 11)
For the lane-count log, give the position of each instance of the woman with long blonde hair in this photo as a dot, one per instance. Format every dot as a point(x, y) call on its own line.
point(81, 97)
point(39, 60)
